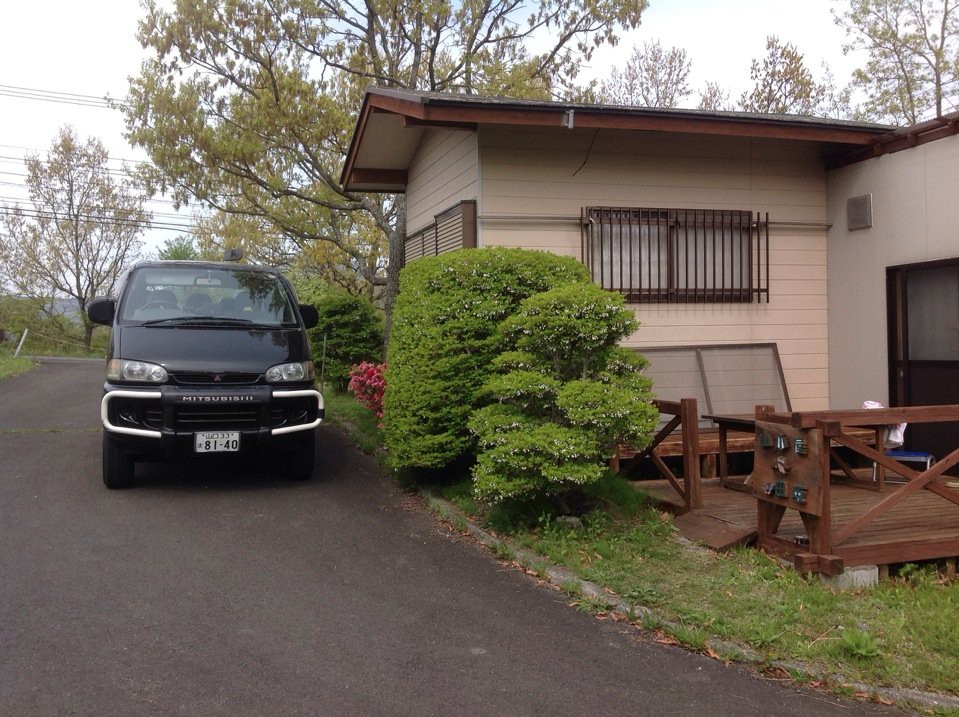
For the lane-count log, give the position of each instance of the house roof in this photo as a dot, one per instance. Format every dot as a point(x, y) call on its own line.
point(391, 123)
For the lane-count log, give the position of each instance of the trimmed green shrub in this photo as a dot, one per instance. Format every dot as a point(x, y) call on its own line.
point(354, 334)
point(568, 396)
point(444, 339)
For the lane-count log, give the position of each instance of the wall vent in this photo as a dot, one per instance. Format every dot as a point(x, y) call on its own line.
point(859, 212)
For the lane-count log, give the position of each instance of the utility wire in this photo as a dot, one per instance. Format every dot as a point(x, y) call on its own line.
point(169, 215)
point(96, 219)
point(40, 151)
point(66, 98)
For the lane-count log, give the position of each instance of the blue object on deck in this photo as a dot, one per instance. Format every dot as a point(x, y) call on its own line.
point(913, 457)
point(907, 457)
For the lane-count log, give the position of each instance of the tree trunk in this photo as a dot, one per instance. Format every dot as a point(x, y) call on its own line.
point(87, 332)
point(397, 240)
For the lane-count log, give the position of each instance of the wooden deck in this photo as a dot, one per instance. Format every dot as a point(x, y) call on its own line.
point(922, 526)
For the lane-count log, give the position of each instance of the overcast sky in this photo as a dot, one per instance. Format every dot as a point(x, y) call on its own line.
point(89, 48)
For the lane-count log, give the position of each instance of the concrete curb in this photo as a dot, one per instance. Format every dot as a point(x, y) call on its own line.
point(562, 578)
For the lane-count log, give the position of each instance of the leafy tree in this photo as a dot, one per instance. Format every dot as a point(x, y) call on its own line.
point(218, 231)
point(80, 232)
point(566, 397)
point(912, 71)
point(179, 248)
point(248, 105)
point(714, 97)
point(782, 83)
point(652, 77)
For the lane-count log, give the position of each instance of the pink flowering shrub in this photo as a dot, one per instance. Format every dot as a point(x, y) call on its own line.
point(368, 384)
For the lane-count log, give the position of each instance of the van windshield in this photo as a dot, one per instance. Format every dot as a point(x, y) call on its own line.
point(184, 294)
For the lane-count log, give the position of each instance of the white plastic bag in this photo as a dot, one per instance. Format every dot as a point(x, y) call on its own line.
point(895, 435)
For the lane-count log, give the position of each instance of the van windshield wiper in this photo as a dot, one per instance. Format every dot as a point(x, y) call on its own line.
point(207, 321)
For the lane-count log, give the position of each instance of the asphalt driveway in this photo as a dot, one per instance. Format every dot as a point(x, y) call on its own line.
point(232, 591)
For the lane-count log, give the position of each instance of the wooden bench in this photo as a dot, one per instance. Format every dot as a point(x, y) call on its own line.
point(672, 445)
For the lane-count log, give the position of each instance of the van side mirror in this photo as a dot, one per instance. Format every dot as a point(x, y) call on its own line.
point(101, 311)
point(311, 316)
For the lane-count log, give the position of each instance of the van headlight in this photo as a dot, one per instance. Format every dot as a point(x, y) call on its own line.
point(296, 371)
point(129, 370)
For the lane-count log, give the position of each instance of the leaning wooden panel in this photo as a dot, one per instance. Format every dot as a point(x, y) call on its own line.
point(787, 470)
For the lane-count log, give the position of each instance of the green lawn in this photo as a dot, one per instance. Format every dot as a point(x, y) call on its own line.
point(10, 366)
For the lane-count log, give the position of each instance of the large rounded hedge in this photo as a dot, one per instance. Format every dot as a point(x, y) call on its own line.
point(444, 339)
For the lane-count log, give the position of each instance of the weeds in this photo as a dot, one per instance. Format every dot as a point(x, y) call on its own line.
point(503, 551)
point(592, 604)
point(860, 645)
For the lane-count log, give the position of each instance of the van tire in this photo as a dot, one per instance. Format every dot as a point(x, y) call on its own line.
point(302, 459)
point(117, 466)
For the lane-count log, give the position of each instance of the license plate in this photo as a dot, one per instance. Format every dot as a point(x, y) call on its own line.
point(216, 442)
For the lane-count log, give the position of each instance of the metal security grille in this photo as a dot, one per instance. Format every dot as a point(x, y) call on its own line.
point(678, 255)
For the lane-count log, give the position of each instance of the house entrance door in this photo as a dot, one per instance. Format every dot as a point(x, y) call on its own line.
point(923, 301)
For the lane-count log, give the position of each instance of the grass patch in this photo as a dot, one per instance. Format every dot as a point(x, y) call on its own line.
point(357, 421)
point(901, 633)
point(10, 366)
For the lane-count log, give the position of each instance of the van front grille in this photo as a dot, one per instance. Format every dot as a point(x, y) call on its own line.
point(186, 378)
point(215, 418)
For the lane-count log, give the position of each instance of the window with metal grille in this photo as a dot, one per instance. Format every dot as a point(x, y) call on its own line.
point(678, 255)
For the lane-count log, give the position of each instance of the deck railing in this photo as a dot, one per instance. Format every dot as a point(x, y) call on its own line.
point(813, 501)
point(683, 415)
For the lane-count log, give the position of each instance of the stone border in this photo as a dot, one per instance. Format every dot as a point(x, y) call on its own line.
point(562, 577)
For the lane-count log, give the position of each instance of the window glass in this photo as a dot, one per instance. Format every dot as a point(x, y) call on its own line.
point(932, 298)
point(156, 293)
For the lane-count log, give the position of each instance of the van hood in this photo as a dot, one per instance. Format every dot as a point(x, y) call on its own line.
point(218, 350)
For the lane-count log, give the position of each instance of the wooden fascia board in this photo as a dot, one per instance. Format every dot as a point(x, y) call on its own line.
point(896, 142)
point(602, 120)
point(369, 175)
point(396, 105)
point(358, 133)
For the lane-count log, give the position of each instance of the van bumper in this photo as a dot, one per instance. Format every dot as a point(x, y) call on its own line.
point(167, 418)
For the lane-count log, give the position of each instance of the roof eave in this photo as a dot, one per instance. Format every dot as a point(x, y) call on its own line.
point(423, 109)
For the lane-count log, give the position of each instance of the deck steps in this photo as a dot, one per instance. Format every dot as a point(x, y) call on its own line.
point(713, 532)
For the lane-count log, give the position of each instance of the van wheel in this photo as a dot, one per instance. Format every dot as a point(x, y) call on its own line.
point(117, 465)
point(301, 461)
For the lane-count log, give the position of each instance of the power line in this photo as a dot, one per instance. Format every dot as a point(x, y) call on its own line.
point(105, 221)
point(169, 215)
point(18, 185)
point(57, 97)
point(109, 159)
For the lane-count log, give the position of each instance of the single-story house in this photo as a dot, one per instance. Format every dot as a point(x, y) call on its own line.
point(835, 241)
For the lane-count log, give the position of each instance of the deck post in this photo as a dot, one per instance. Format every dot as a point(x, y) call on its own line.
point(689, 414)
point(819, 527)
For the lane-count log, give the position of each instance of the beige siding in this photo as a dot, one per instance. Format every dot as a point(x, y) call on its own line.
point(915, 215)
point(534, 183)
point(444, 172)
